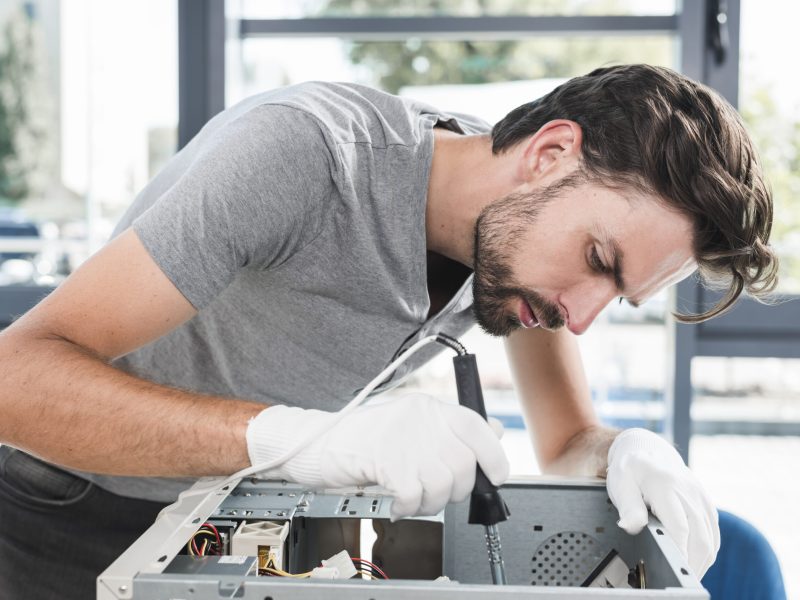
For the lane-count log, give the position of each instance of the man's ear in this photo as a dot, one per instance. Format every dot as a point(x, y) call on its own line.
point(552, 151)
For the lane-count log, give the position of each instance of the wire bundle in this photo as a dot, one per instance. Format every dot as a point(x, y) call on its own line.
point(211, 544)
point(363, 567)
point(375, 572)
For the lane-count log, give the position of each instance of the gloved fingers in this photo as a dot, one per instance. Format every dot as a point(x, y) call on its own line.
point(403, 482)
point(701, 552)
point(437, 486)
point(668, 508)
point(496, 426)
point(461, 462)
point(625, 493)
point(712, 515)
point(479, 437)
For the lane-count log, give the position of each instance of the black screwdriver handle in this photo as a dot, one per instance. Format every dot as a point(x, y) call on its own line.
point(486, 505)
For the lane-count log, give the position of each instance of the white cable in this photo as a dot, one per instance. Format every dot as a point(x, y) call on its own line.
point(360, 399)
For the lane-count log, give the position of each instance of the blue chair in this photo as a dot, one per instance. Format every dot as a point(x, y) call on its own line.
point(746, 566)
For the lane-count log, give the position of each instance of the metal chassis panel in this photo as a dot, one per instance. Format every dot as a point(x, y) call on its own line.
point(575, 504)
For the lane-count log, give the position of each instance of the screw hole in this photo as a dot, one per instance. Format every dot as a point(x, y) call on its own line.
point(684, 571)
point(163, 558)
point(659, 532)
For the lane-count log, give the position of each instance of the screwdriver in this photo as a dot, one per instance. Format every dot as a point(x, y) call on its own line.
point(486, 507)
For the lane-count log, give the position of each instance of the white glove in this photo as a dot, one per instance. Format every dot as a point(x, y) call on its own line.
point(421, 450)
point(644, 471)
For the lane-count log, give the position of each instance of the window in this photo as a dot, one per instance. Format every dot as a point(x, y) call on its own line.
point(770, 105)
point(98, 85)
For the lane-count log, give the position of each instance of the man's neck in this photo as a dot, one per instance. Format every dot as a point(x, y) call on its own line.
point(465, 177)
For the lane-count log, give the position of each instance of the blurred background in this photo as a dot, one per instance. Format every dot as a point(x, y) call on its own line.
point(96, 96)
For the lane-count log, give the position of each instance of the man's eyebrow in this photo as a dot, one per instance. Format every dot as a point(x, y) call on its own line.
point(616, 260)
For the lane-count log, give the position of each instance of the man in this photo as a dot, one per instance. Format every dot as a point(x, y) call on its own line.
point(309, 234)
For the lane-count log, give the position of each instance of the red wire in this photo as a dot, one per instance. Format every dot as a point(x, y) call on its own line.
point(216, 533)
point(376, 568)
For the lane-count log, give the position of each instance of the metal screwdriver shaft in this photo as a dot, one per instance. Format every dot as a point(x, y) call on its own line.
point(486, 506)
point(495, 555)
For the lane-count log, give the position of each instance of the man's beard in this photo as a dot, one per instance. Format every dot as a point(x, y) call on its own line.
point(498, 231)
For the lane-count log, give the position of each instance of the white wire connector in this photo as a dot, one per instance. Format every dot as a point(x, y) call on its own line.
point(342, 562)
point(325, 573)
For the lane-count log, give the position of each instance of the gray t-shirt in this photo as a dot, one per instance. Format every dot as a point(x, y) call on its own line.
point(294, 223)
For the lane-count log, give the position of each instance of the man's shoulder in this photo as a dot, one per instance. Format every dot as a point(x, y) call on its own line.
point(352, 113)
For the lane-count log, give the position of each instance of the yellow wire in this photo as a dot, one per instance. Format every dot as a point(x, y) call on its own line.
point(370, 575)
point(284, 573)
point(199, 532)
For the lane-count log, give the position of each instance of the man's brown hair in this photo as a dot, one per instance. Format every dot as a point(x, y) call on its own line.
point(660, 132)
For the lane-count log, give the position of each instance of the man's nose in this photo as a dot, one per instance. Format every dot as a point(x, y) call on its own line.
point(584, 304)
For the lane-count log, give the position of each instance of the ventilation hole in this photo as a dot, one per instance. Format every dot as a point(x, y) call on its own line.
point(163, 558)
point(537, 527)
point(684, 571)
point(659, 532)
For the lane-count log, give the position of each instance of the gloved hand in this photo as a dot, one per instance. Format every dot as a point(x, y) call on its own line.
point(421, 450)
point(644, 470)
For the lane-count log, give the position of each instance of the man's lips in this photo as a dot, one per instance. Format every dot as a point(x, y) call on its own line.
point(526, 316)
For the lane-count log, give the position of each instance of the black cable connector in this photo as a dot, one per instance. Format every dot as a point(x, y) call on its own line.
point(486, 506)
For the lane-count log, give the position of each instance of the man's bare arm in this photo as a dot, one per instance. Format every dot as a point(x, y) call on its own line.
point(62, 401)
point(556, 403)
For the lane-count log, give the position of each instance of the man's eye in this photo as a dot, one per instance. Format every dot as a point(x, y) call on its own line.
point(597, 264)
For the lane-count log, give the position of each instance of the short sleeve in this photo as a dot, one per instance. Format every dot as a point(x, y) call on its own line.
point(253, 195)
